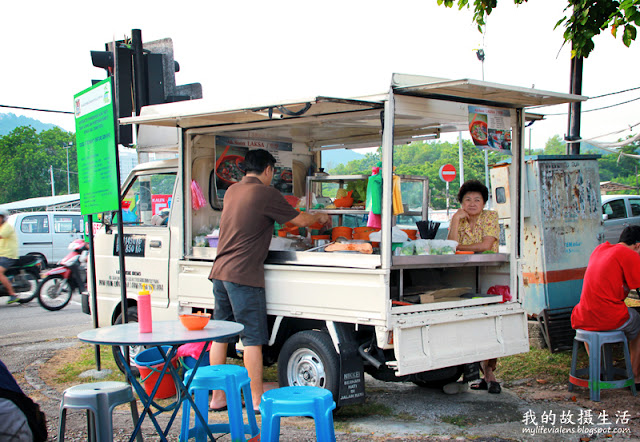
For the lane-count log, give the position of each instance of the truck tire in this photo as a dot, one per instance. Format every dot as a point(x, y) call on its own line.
point(132, 316)
point(309, 358)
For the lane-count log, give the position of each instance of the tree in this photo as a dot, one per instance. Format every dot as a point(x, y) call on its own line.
point(555, 146)
point(586, 20)
point(26, 157)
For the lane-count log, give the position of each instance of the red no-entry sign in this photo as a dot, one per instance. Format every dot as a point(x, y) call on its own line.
point(448, 173)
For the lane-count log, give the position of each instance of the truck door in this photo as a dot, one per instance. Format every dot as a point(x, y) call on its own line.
point(146, 239)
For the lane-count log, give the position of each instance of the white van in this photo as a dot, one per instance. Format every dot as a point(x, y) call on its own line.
point(46, 234)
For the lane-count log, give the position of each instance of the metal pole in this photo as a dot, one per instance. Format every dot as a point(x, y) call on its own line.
point(460, 162)
point(139, 78)
point(93, 293)
point(575, 108)
point(53, 186)
point(68, 181)
point(447, 199)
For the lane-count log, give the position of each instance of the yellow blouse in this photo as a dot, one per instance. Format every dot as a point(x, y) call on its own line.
point(486, 225)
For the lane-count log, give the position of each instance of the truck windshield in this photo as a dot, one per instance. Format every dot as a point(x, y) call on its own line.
point(147, 201)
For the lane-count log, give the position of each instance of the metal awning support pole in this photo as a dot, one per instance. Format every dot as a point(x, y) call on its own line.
point(387, 179)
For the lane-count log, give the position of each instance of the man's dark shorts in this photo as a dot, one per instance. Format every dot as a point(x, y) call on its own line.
point(245, 305)
point(631, 328)
point(5, 262)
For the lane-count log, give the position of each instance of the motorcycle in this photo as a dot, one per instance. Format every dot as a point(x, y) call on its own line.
point(55, 290)
point(24, 276)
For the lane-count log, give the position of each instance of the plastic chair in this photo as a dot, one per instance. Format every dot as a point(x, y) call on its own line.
point(315, 402)
point(600, 343)
point(234, 380)
point(99, 399)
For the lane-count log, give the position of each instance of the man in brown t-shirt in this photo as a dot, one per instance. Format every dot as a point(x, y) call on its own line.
point(250, 209)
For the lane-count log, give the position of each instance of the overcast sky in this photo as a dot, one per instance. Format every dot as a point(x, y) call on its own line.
point(256, 52)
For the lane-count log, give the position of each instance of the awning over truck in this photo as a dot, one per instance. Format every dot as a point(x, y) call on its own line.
point(200, 113)
point(475, 91)
point(189, 114)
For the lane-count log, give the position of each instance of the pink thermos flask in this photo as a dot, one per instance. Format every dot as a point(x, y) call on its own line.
point(144, 309)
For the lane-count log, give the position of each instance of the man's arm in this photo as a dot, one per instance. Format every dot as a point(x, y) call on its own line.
point(305, 219)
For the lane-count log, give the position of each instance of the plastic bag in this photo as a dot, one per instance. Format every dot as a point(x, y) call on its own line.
point(442, 246)
point(198, 200)
point(422, 247)
point(397, 235)
point(500, 290)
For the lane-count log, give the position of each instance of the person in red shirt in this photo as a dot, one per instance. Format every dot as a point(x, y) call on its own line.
point(612, 270)
point(251, 207)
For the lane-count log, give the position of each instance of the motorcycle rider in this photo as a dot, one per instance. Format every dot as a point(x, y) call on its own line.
point(8, 253)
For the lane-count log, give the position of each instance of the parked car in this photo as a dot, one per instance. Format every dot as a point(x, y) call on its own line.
point(618, 212)
point(46, 234)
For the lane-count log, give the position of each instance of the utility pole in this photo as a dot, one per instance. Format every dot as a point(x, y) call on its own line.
point(53, 186)
point(67, 147)
point(574, 108)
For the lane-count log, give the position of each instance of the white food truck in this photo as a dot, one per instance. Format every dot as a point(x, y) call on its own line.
point(332, 316)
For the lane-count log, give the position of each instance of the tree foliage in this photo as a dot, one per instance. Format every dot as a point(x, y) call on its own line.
point(425, 159)
point(25, 160)
point(583, 19)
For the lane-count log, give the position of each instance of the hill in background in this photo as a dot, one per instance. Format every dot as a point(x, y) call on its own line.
point(331, 158)
point(9, 121)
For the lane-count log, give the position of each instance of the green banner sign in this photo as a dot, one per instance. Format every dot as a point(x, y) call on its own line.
point(96, 142)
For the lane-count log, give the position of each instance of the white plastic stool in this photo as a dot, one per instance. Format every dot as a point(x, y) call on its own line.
point(99, 398)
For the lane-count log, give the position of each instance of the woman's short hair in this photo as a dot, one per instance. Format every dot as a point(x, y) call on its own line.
point(473, 186)
point(256, 161)
point(630, 235)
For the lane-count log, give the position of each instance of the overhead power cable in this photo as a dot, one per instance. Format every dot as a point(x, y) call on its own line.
point(596, 109)
point(37, 110)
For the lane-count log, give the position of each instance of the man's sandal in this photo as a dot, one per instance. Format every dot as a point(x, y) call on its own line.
point(494, 388)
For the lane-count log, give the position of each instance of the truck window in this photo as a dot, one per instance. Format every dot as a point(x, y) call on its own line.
point(35, 224)
point(148, 198)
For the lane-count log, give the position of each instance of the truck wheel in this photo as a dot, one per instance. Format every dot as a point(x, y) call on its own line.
point(309, 358)
point(132, 316)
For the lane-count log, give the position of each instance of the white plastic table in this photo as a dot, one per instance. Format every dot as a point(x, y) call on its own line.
point(171, 333)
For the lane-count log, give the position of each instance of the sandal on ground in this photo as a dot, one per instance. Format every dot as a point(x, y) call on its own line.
point(223, 408)
point(494, 388)
point(482, 385)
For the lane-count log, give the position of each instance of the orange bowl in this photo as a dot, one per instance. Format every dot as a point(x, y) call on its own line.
point(343, 202)
point(479, 133)
point(345, 232)
point(412, 233)
point(195, 321)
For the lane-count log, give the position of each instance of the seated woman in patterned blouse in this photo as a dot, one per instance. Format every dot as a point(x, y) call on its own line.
point(477, 230)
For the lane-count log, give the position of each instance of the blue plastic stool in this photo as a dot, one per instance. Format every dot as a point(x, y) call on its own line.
point(234, 380)
point(298, 401)
point(600, 343)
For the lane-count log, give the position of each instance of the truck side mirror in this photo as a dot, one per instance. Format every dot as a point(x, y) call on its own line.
point(605, 217)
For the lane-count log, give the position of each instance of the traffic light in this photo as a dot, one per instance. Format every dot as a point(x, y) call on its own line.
point(121, 70)
point(144, 74)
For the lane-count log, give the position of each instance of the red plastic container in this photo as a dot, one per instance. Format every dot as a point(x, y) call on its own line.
point(150, 363)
